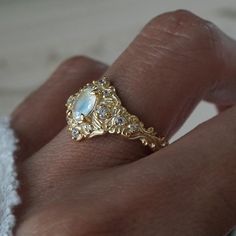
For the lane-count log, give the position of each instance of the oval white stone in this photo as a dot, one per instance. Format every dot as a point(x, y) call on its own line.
point(84, 104)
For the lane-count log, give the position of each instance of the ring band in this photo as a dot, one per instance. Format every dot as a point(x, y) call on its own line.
point(96, 109)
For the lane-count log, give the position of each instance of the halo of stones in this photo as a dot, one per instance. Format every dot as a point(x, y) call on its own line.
point(108, 116)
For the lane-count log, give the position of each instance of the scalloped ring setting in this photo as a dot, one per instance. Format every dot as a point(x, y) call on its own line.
point(96, 110)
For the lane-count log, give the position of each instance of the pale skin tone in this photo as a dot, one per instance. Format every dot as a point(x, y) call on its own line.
point(112, 186)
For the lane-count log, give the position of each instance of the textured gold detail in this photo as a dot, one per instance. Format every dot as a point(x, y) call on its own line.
point(109, 116)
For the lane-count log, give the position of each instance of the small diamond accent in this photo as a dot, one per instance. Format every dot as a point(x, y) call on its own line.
point(103, 112)
point(102, 81)
point(107, 92)
point(119, 120)
point(75, 133)
point(133, 127)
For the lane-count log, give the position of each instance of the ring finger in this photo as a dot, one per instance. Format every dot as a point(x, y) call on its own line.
point(175, 61)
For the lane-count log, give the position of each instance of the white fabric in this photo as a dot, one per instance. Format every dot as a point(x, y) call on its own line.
point(8, 178)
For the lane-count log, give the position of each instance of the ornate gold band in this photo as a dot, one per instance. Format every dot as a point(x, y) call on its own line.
point(96, 109)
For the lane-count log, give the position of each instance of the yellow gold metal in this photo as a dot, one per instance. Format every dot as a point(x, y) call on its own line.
point(109, 116)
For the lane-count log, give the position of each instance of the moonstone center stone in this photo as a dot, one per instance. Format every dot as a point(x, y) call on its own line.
point(84, 104)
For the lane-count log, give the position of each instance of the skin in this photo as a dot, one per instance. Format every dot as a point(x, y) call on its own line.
point(111, 186)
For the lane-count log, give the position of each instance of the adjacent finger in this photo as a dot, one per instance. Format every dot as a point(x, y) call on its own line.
point(42, 115)
point(177, 60)
point(206, 160)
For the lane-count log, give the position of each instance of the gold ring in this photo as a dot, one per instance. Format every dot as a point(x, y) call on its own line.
point(96, 110)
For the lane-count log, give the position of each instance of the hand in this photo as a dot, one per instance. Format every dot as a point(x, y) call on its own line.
point(112, 186)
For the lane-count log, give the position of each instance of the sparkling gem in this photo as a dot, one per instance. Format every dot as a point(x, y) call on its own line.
point(107, 92)
point(84, 104)
point(103, 112)
point(119, 120)
point(133, 128)
point(102, 81)
point(75, 133)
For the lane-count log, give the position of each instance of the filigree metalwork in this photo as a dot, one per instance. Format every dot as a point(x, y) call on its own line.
point(109, 116)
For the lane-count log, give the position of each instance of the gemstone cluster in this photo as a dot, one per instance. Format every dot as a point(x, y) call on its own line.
point(96, 109)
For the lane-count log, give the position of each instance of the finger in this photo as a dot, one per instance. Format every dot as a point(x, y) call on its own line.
point(204, 159)
point(193, 178)
point(172, 64)
point(223, 93)
point(177, 60)
point(41, 116)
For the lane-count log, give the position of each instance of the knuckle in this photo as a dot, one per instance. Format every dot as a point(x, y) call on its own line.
point(181, 16)
point(178, 16)
point(183, 37)
point(195, 31)
point(78, 65)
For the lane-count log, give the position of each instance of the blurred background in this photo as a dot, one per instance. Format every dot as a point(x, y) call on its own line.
point(35, 36)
